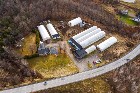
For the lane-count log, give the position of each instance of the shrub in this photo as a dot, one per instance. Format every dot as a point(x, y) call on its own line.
point(31, 56)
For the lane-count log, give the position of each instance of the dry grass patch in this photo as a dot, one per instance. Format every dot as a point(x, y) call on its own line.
point(95, 85)
point(28, 45)
point(53, 66)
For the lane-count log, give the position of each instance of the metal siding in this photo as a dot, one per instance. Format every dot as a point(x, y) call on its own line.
point(92, 39)
point(107, 43)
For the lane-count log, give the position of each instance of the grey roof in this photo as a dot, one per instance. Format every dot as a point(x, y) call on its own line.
point(73, 43)
point(53, 50)
point(43, 51)
point(56, 36)
point(41, 46)
point(80, 53)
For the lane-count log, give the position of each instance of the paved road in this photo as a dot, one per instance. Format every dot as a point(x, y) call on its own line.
point(76, 77)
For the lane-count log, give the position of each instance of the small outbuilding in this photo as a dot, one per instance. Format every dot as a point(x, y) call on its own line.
point(43, 32)
point(75, 21)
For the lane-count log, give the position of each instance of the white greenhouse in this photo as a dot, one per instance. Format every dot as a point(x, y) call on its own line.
point(92, 39)
point(52, 31)
point(75, 21)
point(43, 32)
point(129, 1)
point(86, 36)
point(107, 43)
point(84, 32)
point(90, 49)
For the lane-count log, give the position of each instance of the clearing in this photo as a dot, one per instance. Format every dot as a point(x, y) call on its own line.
point(28, 45)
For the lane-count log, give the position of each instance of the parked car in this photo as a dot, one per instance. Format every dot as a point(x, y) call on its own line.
point(97, 61)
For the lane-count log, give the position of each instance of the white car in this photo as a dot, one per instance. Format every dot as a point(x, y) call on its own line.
point(98, 61)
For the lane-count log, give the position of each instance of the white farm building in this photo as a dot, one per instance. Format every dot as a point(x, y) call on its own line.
point(92, 39)
point(43, 32)
point(52, 31)
point(75, 21)
point(84, 32)
point(107, 43)
point(88, 35)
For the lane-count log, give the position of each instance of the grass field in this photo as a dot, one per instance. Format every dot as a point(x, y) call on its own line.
point(127, 20)
point(28, 45)
point(53, 66)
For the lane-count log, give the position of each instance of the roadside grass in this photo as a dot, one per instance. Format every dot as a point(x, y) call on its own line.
point(28, 45)
point(126, 19)
point(52, 66)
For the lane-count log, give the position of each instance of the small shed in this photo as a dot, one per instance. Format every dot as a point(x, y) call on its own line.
point(75, 21)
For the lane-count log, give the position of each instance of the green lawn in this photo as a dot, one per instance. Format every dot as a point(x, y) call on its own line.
point(53, 66)
point(126, 19)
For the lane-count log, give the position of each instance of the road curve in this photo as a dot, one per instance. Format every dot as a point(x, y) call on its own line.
point(76, 77)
